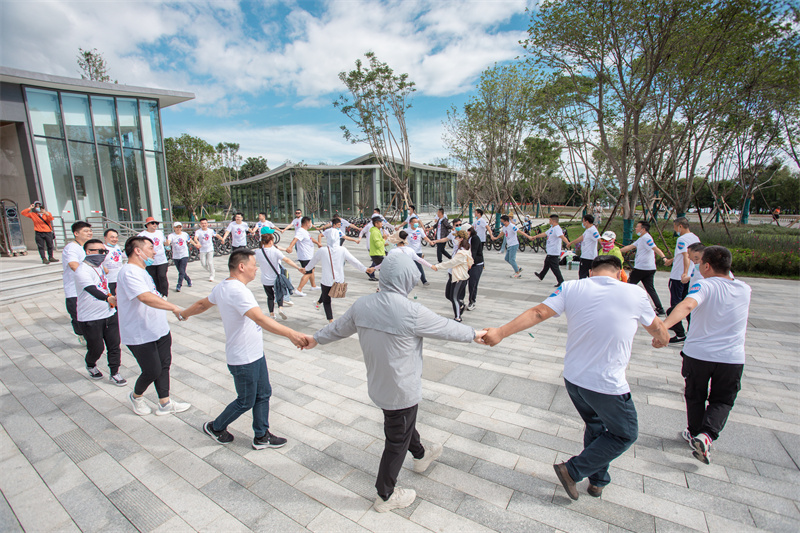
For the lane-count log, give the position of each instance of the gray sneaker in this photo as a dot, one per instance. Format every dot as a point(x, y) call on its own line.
point(94, 373)
point(118, 380)
point(139, 405)
point(431, 454)
point(172, 407)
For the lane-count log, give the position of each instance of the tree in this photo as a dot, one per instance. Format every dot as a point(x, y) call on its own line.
point(191, 166)
point(539, 162)
point(376, 104)
point(229, 163)
point(310, 180)
point(253, 166)
point(93, 65)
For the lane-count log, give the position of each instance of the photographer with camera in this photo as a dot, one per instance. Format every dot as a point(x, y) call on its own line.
point(43, 226)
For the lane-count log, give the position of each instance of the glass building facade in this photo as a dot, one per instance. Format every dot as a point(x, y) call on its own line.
point(98, 155)
point(351, 190)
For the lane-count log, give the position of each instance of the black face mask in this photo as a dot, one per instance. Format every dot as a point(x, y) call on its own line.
point(95, 259)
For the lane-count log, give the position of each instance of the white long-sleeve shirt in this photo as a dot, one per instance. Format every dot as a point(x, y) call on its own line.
point(327, 257)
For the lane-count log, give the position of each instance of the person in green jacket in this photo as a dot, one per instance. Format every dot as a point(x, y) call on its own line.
point(609, 247)
point(377, 244)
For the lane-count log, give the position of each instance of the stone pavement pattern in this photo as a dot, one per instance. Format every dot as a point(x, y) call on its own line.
point(73, 456)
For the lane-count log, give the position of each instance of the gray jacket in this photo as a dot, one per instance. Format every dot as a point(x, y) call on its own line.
point(390, 330)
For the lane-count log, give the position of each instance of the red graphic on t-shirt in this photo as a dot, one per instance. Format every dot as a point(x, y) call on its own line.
point(238, 231)
point(180, 242)
point(116, 257)
point(156, 241)
point(205, 237)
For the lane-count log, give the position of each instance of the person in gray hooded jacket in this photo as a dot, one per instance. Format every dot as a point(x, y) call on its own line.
point(390, 330)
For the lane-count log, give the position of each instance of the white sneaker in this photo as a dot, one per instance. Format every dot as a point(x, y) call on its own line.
point(431, 454)
point(688, 437)
point(139, 405)
point(471, 306)
point(288, 303)
point(172, 407)
point(211, 279)
point(299, 293)
point(316, 289)
point(281, 314)
point(399, 499)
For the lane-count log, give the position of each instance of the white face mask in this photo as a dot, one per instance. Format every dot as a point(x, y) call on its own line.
point(638, 233)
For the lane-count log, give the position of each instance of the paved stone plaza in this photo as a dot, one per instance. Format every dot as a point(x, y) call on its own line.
point(75, 457)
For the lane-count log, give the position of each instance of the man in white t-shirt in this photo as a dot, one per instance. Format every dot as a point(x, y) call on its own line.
point(416, 236)
point(204, 240)
point(71, 257)
point(510, 234)
point(144, 329)
point(603, 315)
point(644, 267)
point(714, 348)
point(305, 252)
point(97, 313)
point(555, 236)
point(179, 244)
point(238, 230)
point(588, 247)
point(695, 254)
point(681, 272)
point(297, 222)
point(243, 320)
point(262, 222)
point(481, 225)
point(158, 268)
point(115, 258)
point(412, 213)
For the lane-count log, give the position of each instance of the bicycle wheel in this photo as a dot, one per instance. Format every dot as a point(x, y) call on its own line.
point(521, 246)
point(277, 237)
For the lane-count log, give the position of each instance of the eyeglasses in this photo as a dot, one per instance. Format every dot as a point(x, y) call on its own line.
point(102, 251)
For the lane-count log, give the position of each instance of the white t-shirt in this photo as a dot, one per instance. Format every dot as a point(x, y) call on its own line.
point(206, 239)
point(415, 239)
point(179, 244)
point(327, 257)
point(158, 245)
point(265, 224)
point(244, 342)
point(480, 228)
point(114, 260)
point(589, 243)
point(296, 223)
point(238, 233)
point(333, 236)
point(695, 275)
point(719, 322)
point(89, 307)
point(645, 256)
point(138, 323)
point(602, 317)
point(553, 246)
point(510, 231)
point(682, 247)
point(345, 223)
point(275, 257)
point(305, 246)
point(72, 253)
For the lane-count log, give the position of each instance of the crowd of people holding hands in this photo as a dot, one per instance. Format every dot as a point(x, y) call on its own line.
point(119, 295)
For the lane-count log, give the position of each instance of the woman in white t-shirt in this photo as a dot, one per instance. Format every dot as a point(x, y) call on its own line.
point(157, 270)
point(179, 243)
point(238, 231)
point(269, 259)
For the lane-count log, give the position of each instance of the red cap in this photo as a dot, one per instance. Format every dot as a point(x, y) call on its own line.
point(148, 220)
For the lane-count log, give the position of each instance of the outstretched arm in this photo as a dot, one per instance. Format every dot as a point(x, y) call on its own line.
point(528, 319)
point(659, 331)
point(200, 306)
point(301, 340)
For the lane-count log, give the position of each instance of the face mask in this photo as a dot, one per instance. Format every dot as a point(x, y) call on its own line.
point(95, 259)
point(148, 261)
point(416, 225)
point(638, 233)
point(607, 245)
point(37, 209)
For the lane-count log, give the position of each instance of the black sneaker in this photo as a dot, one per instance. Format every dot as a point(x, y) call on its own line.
point(660, 312)
point(223, 437)
point(94, 373)
point(541, 278)
point(676, 340)
point(268, 441)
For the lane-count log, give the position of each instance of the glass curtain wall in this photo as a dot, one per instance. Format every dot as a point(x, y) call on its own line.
point(99, 155)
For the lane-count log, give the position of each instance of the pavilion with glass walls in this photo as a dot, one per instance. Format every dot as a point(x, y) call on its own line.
point(88, 150)
point(352, 189)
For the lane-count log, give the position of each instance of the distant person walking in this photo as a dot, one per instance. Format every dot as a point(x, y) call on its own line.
point(391, 329)
point(72, 256)
point(269, 259)
point(144, 329)
point(555, 236)
point(204, 240)
point(443, 228)
point(377, 244)
point(510, 234)
point(476, 270)
point(43, 227)
point(305, 252)
point(588, 245)
point(115, 258)
point(681, 272)
point(158, 267)
point(243, 321)
point(179, 243)
point(458, 273)
point(238, 230)
point(714, 350)
point(602, 315)
point(644, 266)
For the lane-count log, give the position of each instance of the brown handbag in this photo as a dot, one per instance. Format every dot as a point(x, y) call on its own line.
point(338, 290)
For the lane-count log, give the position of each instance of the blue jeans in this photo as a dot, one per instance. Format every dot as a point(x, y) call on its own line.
point(611, 428)
point(180, 264)
point(511, 256)
point(253, 390)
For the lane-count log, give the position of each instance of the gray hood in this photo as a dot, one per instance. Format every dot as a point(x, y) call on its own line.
point(398, 274)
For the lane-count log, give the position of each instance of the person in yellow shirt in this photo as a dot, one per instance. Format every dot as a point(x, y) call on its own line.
point(608, 247)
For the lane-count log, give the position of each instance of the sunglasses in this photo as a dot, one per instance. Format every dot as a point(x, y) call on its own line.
point(101, 251)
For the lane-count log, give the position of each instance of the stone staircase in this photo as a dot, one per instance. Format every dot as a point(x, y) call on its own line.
point(25, 277)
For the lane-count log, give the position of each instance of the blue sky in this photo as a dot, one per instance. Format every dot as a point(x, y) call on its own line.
point(265, 72)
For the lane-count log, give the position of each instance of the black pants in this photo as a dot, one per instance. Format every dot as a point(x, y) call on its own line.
point(271, 297)
point(376, 260)
point(112, 288)
point(44, 239)
point(440, 251)
point(100, 333)
point(154, 359)
point(455, 292)
point(726, 381)
point(551, 263)
point(585, 267)
point(399, 428)
point(159, 275)
point(646, 277)
point(325, 300)
point(677, 292)
point(422, 277)
point(72, 309)
point(180, 264)
point(474, 278)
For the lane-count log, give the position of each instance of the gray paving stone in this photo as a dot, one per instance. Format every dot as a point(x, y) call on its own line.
point(143, 508)
point(718, 505)
point(514, 480)
point(525, 391)
point(498, 519)
point(92, 511)
point(236, 500)
point(744, 495)
point(236, 467)
point(472, 379)
point(288, 500)
point(774, 522)
point(8, 521)
point(78, 445)
point(434, 369)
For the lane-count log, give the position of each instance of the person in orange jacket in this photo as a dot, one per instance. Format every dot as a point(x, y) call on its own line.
point(43, 225)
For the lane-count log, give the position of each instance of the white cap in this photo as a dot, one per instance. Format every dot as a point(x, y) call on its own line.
point(465, 226)
point(176, 224)
point(609, 236)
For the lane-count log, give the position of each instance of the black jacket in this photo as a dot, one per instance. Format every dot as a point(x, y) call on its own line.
point(476, 247)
